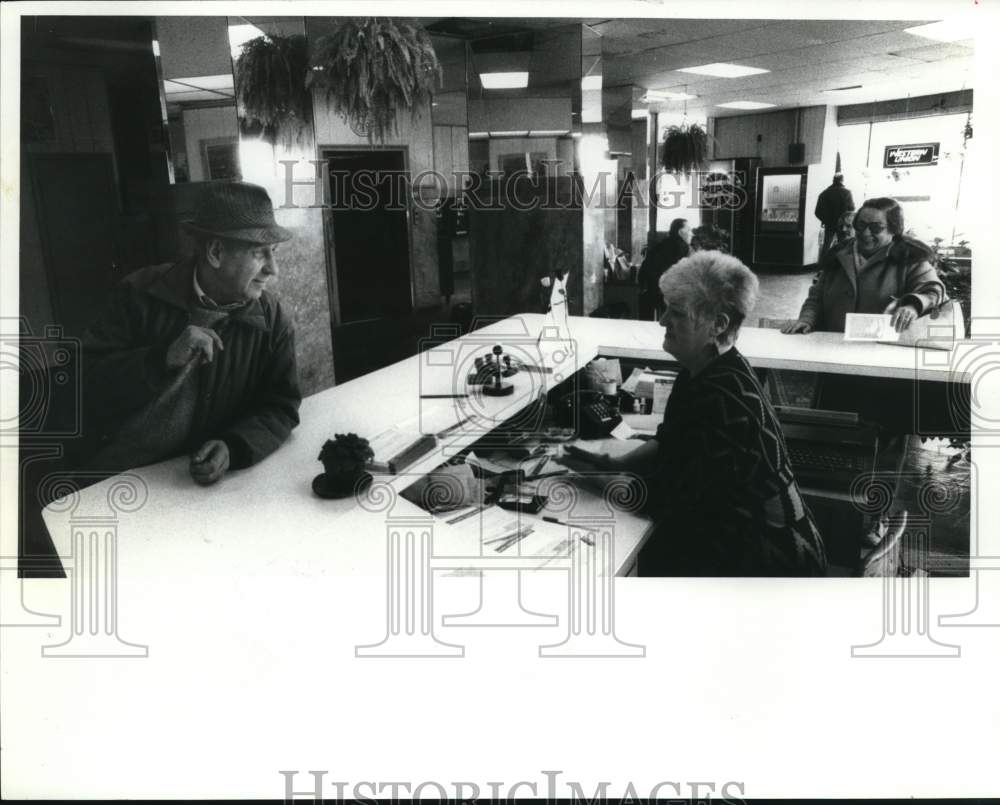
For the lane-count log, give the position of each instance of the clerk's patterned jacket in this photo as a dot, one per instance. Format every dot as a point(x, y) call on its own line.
point(725, 500)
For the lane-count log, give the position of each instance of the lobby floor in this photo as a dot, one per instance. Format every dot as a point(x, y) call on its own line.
point(781, 295)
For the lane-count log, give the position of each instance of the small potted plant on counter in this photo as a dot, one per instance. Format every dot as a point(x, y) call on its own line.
point(345, 459)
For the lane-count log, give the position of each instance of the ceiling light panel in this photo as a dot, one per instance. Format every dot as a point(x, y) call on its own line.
point(745, 105)
point(517, 80)
point(723, 70)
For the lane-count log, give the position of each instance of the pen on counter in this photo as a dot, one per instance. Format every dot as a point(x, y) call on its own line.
point(584, 537)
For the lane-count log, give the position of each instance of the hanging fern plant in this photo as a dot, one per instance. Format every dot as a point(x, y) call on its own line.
point(685, 149)
point(373, 67)
point(271, 88)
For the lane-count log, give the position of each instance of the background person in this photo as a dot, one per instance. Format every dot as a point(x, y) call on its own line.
point(845, 227)
point(880, 271)
point(725, 500)
point(660, 256)
point(831, 204)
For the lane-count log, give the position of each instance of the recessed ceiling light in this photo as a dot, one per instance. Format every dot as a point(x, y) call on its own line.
point(591, 82)
point(945, 30)
point(653, 95)
point(723, 70)
point(504, 80)
point(745, 105)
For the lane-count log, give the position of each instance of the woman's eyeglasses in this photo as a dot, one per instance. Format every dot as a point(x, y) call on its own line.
point(872, 226)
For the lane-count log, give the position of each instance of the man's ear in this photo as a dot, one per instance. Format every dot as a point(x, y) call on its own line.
point(214, 249)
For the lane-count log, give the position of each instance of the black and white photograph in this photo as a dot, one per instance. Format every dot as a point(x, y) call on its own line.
point(504, 400)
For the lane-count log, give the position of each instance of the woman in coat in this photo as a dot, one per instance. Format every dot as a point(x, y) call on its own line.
point(880, 271)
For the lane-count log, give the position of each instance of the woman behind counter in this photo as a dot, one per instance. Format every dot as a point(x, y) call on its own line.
point(726, 503)
point(880, 271)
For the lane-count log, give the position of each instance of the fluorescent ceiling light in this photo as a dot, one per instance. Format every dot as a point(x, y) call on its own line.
point(577, 134)
point(653, 95)
point(508, 134)
point(723, 70)
point(843, 89)
point(745, 105)
point(591, 81)
point(639, 114)
point(478, 135)
point(945, 30)
point(548, 133)
point(504, 80)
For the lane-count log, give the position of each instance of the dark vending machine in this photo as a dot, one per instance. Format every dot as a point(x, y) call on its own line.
point(779, 223)
point(728, 192)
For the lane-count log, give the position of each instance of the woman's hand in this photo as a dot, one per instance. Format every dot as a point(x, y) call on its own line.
point(600, 461)
point(902, 315)
point(797, 327)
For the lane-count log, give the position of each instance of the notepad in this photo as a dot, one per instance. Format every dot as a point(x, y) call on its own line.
point(875, 327)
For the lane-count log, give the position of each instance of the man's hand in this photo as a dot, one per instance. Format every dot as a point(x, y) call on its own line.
point(210, 462)
point(797, 327)
point(193, 341)
point(902, 315)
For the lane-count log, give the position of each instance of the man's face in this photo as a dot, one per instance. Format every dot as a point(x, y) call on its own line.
point(244, 269)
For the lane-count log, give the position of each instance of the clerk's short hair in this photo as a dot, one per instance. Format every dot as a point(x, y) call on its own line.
point(709, 283)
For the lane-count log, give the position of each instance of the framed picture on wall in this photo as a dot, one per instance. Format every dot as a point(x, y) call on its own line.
point(221, 158)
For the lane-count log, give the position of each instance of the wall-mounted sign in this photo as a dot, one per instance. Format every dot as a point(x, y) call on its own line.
point(908, 156)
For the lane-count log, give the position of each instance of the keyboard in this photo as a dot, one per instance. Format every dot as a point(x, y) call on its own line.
point(826, 458)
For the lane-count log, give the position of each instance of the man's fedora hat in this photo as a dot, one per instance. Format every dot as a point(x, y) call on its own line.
point(237, 211)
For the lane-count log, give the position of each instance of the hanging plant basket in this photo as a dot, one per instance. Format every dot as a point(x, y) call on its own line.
point(685, 149)
point(371, 68)
point(271, 93)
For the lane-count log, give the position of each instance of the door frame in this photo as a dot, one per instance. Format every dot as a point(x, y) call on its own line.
point(323, 153)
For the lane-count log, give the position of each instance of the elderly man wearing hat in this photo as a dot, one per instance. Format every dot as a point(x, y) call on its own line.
point(197, 356)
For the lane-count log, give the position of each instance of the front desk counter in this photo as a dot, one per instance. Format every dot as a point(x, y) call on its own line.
point(268, 517)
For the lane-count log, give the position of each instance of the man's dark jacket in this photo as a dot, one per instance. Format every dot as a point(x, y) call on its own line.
point(832, 203)
point(248, 395)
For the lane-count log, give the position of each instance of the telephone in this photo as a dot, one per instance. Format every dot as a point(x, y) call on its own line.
point(596, 420)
